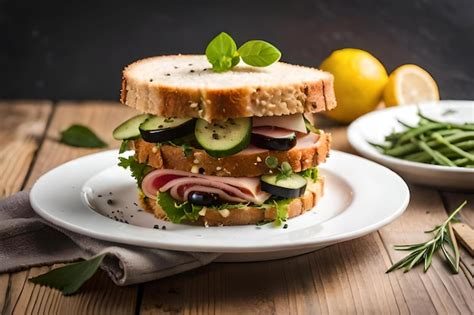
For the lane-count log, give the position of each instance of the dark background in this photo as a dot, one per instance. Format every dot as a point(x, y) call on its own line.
point(77, 49)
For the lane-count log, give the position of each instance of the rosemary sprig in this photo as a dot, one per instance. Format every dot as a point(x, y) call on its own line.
point(443, 239)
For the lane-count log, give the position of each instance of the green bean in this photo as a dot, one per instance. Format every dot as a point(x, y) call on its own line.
point(469, 166)
point(424, 157)
point(379, 146)
point(446, 132)
point(466, 126)
point(419, 131)
point(438, 157)
point(454, 148)
point(461, 162)
point(404, 124)
point(408, 148)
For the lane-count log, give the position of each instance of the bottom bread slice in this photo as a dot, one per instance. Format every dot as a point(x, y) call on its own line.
point(247, 215)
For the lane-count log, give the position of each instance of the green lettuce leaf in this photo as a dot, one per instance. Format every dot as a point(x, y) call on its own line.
point(310, 173)
point(281, 210)
point(178, 212)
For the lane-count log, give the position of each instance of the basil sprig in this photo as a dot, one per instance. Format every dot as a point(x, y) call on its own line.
point(223, 54)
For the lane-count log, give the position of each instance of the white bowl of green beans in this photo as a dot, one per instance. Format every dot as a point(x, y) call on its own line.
point(427, 143)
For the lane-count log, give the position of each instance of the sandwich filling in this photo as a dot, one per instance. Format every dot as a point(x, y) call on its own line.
point(187, 165)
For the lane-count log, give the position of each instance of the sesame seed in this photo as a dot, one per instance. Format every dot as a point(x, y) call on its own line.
point(218, 168)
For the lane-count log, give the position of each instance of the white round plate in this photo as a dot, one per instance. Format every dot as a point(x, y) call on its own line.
point(375, 126)
point(94, 197)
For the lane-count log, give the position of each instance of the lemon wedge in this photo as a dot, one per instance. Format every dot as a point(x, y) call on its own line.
point(410, 84)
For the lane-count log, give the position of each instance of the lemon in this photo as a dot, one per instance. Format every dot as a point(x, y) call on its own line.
point(410, 84)
point(359, 81)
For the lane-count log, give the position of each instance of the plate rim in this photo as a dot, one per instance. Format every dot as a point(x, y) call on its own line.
point(356, 140)
point(301, 244)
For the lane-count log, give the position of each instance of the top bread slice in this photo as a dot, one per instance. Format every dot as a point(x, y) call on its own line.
point(186, 86)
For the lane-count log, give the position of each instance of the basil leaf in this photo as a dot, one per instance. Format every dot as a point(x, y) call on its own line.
point(222, 53)
point(259, 53)
point(70, 278)
point(81, 136)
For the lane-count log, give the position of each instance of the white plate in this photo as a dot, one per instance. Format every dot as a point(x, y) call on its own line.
point(360, 197)
point(375, 126)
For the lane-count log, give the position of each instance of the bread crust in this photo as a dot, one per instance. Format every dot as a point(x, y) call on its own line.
point(248, 165)
point(247, 215)
point(216, 104)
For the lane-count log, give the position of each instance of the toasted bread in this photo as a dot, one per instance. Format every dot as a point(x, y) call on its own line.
point(249, 164)
point(247, 215)
point(185, 86)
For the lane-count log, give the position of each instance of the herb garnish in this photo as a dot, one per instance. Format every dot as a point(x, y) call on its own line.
point(139, 170)
point(223, 54)
point(285, 171)
point(443, 239)
point(70, 278)
point(271, 161)
point(81, 136)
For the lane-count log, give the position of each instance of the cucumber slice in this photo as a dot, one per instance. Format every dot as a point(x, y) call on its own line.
point(161, 129)
point(129, 129)
point(291, 187)
point(224, 138)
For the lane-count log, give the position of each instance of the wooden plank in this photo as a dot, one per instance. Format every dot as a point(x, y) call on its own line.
point(100, 295)
point(21, 133)
point(347, 277)
point(452, 200)
point(437, 291)
point(465, 235)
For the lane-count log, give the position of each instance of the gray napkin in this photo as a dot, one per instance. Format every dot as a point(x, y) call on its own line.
point(26, 240)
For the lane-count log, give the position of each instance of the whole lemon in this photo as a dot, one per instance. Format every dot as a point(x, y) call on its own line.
point(359, 81)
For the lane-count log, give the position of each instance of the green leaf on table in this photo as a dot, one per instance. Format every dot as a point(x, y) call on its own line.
point(70, 278)
point(81, 136)
point(221, 52)
point(259, 53)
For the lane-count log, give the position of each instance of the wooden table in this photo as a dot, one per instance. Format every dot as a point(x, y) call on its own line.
point(348, 277)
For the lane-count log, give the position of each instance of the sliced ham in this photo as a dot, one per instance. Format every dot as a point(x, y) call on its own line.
point(307, 141)
point(291, 122)
point(222, 194)
point(273, 132)
point(180, 183)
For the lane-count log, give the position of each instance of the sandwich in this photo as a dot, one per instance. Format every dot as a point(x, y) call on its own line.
point(225, 148)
